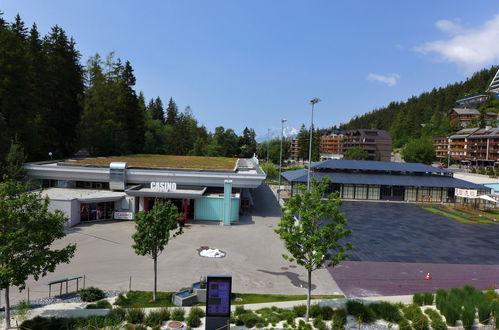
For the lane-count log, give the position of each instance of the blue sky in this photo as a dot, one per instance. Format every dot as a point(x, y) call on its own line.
point(251, 63)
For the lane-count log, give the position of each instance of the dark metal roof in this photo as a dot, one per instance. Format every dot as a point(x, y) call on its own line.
point(300, 176)
point(369, 165)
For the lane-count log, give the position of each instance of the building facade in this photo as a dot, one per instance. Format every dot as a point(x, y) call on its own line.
point(475, 146)
point(331, 146)
point(377, 143)
point(294, 149)
point(117, 190)
point(389, 181)
point(467, 116)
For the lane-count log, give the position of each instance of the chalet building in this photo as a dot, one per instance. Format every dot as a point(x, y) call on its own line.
point(377, 143)
point(467, 116)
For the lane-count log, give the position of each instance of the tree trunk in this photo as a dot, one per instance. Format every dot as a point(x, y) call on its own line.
point(308, 294)
point(7, 308)
point(155, 277)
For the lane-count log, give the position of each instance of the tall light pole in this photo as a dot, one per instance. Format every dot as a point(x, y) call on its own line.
point(280, 156)
point(268, 144)
point(313, 102)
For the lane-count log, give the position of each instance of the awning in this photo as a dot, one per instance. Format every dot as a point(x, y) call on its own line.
point(180, 192)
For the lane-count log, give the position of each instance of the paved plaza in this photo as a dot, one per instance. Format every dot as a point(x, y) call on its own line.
point(395, 244)
point(104, 254)
point(400, 232)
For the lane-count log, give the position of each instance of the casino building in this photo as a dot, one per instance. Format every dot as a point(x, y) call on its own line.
point(203, 188)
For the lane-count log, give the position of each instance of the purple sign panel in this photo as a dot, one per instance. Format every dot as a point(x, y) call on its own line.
point(219, 289)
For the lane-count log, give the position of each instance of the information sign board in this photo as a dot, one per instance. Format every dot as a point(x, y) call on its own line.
point(219, 289)
point(123, 215)
point(465, 192)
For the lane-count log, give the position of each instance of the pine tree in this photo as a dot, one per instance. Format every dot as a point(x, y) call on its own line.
point(171, 113)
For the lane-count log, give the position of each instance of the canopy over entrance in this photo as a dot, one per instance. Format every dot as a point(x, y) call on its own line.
point(179, 192)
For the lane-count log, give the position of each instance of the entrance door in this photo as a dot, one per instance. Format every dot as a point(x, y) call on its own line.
point(392, 193)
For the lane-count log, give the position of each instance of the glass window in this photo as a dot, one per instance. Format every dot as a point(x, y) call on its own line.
point(373, 192)
point(348, 191)
point(361, 191)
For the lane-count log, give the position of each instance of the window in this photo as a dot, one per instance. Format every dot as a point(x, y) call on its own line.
point(96, 211)
point(348, 191)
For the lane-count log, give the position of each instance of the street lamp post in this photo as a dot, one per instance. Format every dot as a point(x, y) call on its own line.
point(313, 102)
point(280, 156)
point(268, 144)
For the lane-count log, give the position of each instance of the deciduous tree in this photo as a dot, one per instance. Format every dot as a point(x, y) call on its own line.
point(419, 150)
point(312, 228)
point(356, 153)
point(153, 231)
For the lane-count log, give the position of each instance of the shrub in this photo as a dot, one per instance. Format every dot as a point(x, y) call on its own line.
point(197, 312)
point(303, 326)
point(140, 327)
point(339, 318)
point(116, 316)
point(440, 297)
point(193, 321)
point(315, 311)
point(452, 312)
point(484, 311)
point(326, 313)
point(157, 317)
point(420, 322)
point(436, 321)
point(92, 321)
point(240, 310)
point(101, 304)
point(428, 298)
point(23, 308)
point(135, 315)
point(468, 316)
point(300, 310)
point(178, 314)
point(319, 324)
point(360, 311)
point(386, 311)
point(418, 299)
point(91, 294)
point(404, 325)
point(250, 319)
point(121, 300)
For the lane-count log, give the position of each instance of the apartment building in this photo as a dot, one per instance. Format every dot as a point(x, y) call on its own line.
point(479, 146)
point(377, 143)
point(294, 149)
point(331, 146)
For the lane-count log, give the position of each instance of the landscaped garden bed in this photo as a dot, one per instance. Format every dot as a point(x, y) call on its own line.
point(464, 308)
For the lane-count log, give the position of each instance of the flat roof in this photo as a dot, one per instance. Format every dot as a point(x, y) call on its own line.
point(83, 195)
point(161, 161)
point(371, 165)
point(300, 176)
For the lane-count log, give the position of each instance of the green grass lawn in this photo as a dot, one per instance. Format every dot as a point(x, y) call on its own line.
point(164, 161)
point(458, 216)
point(141, 299)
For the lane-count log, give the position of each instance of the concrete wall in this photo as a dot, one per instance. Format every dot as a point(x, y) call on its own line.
point(70, 208)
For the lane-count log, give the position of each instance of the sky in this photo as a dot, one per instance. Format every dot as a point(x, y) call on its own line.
point(253, 63)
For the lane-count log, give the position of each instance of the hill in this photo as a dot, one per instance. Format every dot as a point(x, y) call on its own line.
point(426, 114)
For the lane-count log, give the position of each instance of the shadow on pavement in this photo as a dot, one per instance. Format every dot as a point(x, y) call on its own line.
point(293, 277)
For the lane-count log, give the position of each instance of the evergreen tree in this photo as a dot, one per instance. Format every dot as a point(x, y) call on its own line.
point(171, 113)
point(155, 107)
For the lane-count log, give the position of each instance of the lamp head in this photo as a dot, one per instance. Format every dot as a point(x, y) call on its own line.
point(315, 100)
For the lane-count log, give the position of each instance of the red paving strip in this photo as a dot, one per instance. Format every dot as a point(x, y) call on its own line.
point(367, 278)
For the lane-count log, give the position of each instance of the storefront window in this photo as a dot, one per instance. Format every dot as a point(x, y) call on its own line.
point(96, 211)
